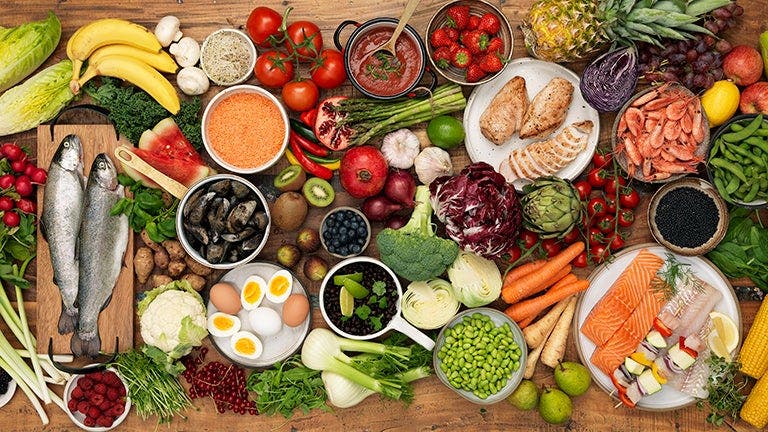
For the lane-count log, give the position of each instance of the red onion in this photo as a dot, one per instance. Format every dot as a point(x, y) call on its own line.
point(379, 207)
point(397, 221)
point(400, 187)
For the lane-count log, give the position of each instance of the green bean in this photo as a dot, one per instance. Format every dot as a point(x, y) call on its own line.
point(746, 132)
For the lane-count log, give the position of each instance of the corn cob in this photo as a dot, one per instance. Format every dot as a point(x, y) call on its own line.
point(755, 409)
point(754, 353)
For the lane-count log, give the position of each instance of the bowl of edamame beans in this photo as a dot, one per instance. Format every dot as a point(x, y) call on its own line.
point(480, 354)
point(738, 161)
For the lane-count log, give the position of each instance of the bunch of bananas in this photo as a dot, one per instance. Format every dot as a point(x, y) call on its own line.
point(125, 50)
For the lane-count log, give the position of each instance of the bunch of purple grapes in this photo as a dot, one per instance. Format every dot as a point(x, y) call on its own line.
point(696, 63)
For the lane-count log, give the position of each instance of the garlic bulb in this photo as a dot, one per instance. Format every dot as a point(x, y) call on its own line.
point(432, 163)
point(400, 148)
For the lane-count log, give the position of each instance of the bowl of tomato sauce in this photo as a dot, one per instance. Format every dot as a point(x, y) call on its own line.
point(377, 74)
point(245, 129)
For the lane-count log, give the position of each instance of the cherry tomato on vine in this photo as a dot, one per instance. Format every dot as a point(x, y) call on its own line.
point(551, 247)
point(597, 177)
point(305, 38)
point(328, 69)
point(584, 189)
point(596, 207)
point(571, 236)
point(616, 243)
point(629, 198)
point(514, 253)
point(626, 218)
point(262, 23)
point(605, 224)
point(300, 95)
point(614, 183)
point(580, 260)
point(610, 204)
point(273, 70)
point(598, 253)
point(595, 236)
point(528, 238)
point(600, 160)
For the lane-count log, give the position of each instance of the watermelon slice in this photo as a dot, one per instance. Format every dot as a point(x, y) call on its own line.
point(167, 139)
point(183, 171)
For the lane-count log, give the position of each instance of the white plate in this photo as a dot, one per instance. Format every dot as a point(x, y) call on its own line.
point(6, 397)
point(276, 347)
point(601, 280)
point(537, 74)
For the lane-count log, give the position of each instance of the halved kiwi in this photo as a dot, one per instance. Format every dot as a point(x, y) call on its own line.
point(318, 192)
point(291, 178)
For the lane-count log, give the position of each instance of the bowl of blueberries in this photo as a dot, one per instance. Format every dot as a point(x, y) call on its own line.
point(345, 232)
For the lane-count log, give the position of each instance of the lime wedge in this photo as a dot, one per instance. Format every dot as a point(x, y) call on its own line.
point(347, 302)
point(357, 290)
point(339, 279)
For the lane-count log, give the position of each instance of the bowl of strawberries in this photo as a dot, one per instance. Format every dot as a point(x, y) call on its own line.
point(97, 401)
point(469, 42)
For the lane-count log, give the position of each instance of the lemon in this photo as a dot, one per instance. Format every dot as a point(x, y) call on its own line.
point(347, 302)
point(720, 102)
point(724, 338)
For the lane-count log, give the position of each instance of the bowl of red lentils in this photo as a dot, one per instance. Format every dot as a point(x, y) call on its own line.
point(245, 129)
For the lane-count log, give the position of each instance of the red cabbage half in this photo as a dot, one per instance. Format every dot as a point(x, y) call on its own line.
point(480, 210)
point(610, 80)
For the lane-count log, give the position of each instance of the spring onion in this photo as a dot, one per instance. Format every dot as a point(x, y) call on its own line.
point(429, 304)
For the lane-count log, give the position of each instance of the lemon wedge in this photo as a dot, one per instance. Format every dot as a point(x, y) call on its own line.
point(724, 338)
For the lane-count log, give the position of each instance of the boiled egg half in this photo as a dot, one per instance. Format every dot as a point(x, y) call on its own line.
point(223, 325)
point(253, 292)
point(246, 345)
point(280, 286)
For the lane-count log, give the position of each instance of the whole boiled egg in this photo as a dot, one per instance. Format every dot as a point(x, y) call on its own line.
point(223, 325)
point(279, 286)
point(246, 345)
point(265, 321)
point(253, 292)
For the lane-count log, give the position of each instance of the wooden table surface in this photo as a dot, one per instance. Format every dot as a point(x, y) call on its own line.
point(435, 407)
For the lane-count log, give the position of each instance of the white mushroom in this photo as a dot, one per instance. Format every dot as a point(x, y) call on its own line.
point(186, 51)
point(192, 81)
point(167, 30)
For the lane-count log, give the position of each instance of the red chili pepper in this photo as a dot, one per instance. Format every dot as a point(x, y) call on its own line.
point(314, 148)
point(688, 350)
point(308, 117)
point(311, 166)
point(661, 327)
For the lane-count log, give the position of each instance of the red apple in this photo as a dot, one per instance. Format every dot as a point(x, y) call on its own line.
point(743, 65)
point(754, 99)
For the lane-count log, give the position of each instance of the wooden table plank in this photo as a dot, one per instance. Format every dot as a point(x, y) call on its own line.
point(434, 407)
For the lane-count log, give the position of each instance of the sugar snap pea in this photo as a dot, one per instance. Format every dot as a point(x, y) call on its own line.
point(746, 132)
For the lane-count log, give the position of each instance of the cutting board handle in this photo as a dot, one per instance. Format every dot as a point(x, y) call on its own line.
point(125, 156)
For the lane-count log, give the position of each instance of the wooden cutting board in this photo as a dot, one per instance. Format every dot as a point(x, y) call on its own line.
point(116, 320)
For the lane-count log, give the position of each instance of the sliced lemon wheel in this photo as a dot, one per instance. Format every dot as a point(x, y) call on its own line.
point(346, 302)
point(724, 337)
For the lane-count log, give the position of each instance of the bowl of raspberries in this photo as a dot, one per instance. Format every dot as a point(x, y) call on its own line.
point(469, 42)
point(97, 401)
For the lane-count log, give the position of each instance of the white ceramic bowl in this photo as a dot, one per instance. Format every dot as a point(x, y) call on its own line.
point(207, 118)
point(251, 60)
point(78, 417)
point(6, 397)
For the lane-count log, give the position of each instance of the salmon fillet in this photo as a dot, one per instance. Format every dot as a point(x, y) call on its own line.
point(504, 115)
point(626, 339)
point(547, 109)
point(620, 301)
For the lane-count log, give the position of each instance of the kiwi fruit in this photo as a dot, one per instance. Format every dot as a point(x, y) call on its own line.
point(291, 178)
point(289, 211)
point(318, 192)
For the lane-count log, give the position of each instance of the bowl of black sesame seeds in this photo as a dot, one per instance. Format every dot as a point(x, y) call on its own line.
point(345, 232)
point(688, 216)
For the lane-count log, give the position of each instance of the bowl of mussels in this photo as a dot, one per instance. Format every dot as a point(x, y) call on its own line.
point(223, 221)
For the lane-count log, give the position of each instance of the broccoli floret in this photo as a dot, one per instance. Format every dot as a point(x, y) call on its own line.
point(414, 252)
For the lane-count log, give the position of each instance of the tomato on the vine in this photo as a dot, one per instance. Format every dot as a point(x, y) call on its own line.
point(328, 69)
point(262, 23)
point(528, 239)
point(584, 189)
point(551, 247)
point(300, 95)
point(598, 253)
point(597, 177)
point(305, 38)
point(273, 69)
point(581, 260)
point(605, 224)
point(571, 236)
point(629, 198)
point(616, 243)
point(514, 253)
point(626, 218)
point(610, 204)
point(596, 207)
point(614, 183)
point(600, 160)
point(595, 236)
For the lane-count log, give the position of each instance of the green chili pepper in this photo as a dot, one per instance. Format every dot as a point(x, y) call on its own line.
point(746, 132)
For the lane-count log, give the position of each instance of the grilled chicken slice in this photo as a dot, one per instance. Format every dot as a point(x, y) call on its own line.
point(547, 157)
point(504, 114)
point(548, 109)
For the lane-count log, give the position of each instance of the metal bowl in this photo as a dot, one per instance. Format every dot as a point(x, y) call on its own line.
point(478, 8)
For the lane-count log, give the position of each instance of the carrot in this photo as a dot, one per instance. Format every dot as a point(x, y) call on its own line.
point(525, 323)
point(534, 306)
point(536, 333)
point(528, 284)
point(554, 349)
point(516, 273)
point(569, 278)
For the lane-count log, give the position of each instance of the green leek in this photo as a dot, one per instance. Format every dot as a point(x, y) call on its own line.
point(24, 48)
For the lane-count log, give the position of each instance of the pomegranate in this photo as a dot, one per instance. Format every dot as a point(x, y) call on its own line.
point(326, 127)
point(363, 171)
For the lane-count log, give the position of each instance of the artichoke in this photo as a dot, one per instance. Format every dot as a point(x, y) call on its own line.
point(551, 207)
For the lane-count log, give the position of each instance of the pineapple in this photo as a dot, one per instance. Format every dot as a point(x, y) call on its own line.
point(569, 30)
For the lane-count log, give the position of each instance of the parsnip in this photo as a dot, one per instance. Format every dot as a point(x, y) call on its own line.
point(533, 356)
point(536, 333)
point(554, 348)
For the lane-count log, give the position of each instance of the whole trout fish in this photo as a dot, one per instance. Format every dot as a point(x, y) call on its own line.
point(103, 241)
point(60, 223)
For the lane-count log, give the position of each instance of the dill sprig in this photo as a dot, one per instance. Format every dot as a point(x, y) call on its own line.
point(725, 386)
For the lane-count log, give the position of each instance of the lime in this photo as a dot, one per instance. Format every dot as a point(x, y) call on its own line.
point(720, 102)
point(445, 132)
point(357, 290)
point(347, 302)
